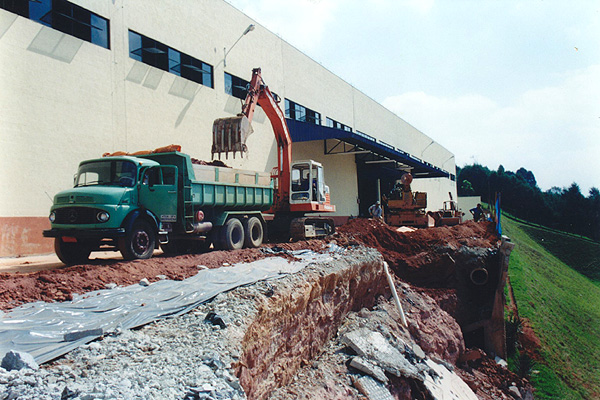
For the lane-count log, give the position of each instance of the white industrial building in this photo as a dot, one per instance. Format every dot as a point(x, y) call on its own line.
point(83, 77)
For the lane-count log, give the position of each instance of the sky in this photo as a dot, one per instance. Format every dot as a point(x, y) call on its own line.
point(512, 83)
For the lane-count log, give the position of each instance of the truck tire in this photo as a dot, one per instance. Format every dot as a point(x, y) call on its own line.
point(232, 235)
point(253, 232)
point(139, 242)
point(71, 253)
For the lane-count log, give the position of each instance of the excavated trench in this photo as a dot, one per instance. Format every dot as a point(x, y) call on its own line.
point(451, 281)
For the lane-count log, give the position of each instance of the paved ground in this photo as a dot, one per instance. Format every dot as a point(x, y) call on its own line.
point(42, 262)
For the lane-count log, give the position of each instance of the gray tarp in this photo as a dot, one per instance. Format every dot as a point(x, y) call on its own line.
point(49, 330)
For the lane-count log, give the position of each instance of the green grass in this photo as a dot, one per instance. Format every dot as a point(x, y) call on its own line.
point(556, 283)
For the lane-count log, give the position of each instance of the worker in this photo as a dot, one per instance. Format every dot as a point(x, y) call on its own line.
point(376, 211)
point(477, 213)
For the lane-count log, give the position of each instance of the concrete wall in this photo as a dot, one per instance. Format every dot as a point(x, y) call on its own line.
point(465, 203)
point(65, 100)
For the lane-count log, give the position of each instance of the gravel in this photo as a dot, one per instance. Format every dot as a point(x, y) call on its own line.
point(188, 357)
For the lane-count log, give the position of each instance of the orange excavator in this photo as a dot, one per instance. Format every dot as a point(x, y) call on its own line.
point(299, 186)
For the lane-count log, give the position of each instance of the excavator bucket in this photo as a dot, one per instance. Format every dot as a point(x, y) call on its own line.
point(229, 135)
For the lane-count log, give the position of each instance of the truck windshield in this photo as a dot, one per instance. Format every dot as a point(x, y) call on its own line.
point(109, 173)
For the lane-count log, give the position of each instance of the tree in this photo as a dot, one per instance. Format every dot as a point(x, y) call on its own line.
point(466, 189)
point(527, 176)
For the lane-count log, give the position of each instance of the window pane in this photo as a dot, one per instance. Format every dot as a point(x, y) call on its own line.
point(41, 11)
point(135, 46)
point(99, 31)
point(174, 62)
point(228, 84)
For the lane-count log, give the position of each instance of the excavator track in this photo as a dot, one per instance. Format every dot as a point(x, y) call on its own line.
point(311, 227)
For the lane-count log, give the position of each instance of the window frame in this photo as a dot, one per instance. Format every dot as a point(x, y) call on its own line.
point(169, 59)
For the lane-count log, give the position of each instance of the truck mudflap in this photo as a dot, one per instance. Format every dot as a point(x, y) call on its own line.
point(85, 234)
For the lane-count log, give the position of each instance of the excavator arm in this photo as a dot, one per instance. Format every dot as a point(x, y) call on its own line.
point(230, 134)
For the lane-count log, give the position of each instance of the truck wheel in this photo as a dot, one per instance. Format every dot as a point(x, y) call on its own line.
point(253, 232)
point(139, 242)
point(232, 235)
point(71, 253)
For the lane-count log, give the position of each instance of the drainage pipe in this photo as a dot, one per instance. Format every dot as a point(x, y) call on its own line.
point(395, 294)
point(479, 276)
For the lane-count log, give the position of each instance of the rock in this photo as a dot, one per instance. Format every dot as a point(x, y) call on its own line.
point(201, 267)
point(17, 360)
point(369, 368)
point(216, 319)
point(418, 351)
point(161, 277)
point(110, 285)
point(501, 362)
point(68, 394)
point(144, 282)
point(514, 392)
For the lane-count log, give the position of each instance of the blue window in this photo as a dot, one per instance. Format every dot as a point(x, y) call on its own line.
point(63, 16)
point(161, 56)
point(236, 87)
point(300, 113)
point(337, 125)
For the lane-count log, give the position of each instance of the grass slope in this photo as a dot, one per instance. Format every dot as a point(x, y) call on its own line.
point(556, 283)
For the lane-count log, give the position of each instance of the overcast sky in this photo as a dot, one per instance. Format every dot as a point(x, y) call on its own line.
point(496, 82)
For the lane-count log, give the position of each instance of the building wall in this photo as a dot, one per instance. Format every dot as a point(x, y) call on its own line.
point(65, 100)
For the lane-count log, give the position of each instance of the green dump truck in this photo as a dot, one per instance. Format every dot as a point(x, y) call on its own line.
point(133, 204)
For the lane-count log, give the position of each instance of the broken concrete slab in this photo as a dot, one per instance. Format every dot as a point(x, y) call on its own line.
point(444, 384)
point(373, 346)
point(369, 368)
point(373, 389)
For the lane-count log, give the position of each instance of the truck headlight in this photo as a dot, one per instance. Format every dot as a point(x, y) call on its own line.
point(52, 217)
point(102, 216)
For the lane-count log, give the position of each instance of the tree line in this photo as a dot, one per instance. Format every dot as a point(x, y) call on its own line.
point(565, 209)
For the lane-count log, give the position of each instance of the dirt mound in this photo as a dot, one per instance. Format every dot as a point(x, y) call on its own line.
point(61, 284)
point(214, 163)
point(426, 257)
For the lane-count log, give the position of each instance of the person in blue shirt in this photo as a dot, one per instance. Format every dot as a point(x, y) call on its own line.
point(477, 213)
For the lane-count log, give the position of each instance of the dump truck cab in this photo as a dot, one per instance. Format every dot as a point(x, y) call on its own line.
point(116, 203)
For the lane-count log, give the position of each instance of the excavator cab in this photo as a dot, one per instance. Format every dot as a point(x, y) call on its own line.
point(307, 183)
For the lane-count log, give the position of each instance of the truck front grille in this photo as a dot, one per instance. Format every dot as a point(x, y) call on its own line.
point(76, 215)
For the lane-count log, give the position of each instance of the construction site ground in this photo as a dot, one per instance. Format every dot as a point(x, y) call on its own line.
point(290, 338)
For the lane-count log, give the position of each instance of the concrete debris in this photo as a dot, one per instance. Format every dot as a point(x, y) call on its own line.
point(514, 391)
point(373, 346)
point(501, 362)
point(418, 351)
point(372, 389)
point(216, 319)
point(444, 384)
point(18, 360)
point(369, 368)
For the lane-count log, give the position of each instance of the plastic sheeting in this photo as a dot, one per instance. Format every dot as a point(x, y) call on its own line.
point(49, 330)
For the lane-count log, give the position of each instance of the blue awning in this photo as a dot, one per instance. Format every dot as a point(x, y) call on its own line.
point(367, 148)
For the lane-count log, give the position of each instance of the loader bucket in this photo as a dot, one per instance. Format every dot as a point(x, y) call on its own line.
point(229, 135)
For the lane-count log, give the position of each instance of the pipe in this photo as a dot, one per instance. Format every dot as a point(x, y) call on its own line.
point(202, 227)
point(395, 294)
point(479, 276)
